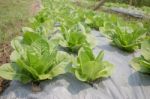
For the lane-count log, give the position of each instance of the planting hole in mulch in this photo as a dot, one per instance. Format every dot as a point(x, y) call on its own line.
point(36, 87)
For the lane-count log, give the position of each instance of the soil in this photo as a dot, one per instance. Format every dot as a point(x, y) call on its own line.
point(5, 50)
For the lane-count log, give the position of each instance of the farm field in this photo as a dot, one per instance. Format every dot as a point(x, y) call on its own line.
point(81, 49)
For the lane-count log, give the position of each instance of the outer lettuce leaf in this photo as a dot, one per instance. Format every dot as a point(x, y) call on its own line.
point(145, 50)
point(9, 73)
point(142, 63)
point(30, 37)
point(107, 71)
point(138, 65)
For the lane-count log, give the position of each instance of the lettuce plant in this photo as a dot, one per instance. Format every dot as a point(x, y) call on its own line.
point(127, 38)
point(74, 37)
point(142, 63)
point(33, 59)
point(89, 68)
point(110, 23)
point(94, 20)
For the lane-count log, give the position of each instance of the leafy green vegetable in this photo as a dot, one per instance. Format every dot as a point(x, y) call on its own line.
point(89, 68)
point(94, 21)
point(43, 23)
point(142, 63)
point(110, 22)
point(34, 59)
point(129, 37)
point(75, 37)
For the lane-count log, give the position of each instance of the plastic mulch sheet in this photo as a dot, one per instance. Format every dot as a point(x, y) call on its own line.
point(129, 11)
point(124, 83)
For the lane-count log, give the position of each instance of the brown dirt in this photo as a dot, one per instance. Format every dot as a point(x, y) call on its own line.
point(5, 50)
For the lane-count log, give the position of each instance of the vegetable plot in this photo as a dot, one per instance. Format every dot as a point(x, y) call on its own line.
point(37, 54)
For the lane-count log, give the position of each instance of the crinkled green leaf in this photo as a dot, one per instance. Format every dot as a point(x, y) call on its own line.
point(106, 71)
point(145, 49)
point(100, 56)
point(7, 72)
point(30, 37)
point(83, 57)
point(58, 69)
point(138, 66)
point(16, 44)
point(90, 68)
point(14, 56)
point(79, 76)
point(21, 64)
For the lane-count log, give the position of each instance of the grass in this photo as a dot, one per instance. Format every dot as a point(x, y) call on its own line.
point(13, 15)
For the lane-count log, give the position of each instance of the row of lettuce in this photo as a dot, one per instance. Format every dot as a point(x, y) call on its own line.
point(59, 41)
